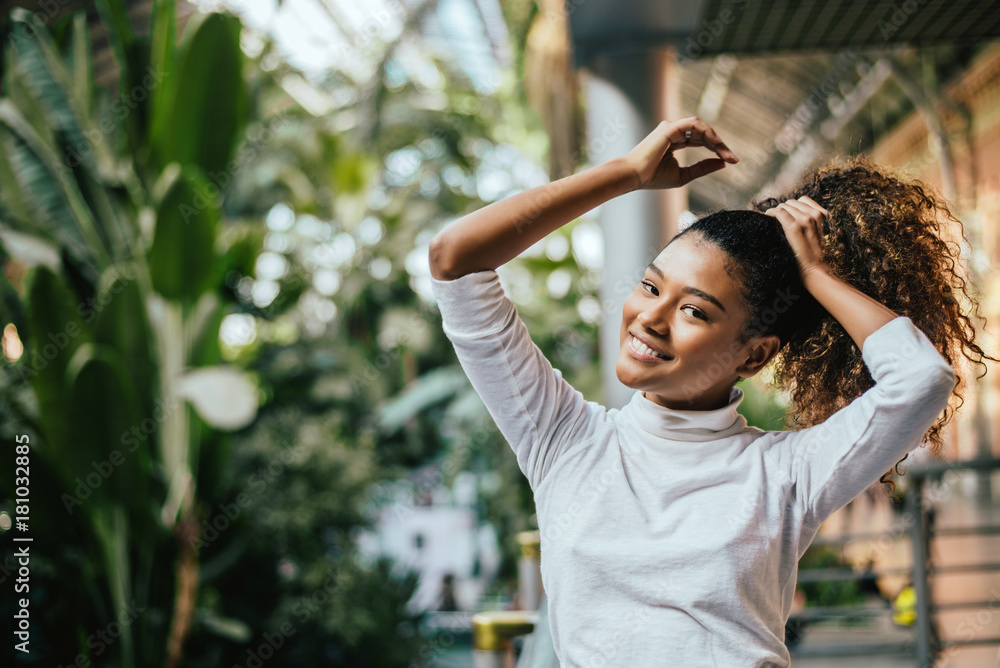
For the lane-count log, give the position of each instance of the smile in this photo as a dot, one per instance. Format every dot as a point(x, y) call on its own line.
point(642, 352)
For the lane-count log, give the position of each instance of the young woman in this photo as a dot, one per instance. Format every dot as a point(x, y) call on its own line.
point(671, 531)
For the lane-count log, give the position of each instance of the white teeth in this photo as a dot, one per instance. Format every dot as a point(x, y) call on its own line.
point(646, 350)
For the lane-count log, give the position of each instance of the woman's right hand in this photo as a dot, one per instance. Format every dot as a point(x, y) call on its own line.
point(653, 159)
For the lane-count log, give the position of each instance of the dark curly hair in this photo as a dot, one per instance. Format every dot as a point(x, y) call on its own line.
point(890, 238)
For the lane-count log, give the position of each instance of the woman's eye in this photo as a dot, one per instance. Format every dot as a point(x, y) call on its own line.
point(651, 287)
point(695, 312)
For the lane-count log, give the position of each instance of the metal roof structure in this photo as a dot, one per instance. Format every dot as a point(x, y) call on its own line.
point(712, 27)
point(787, 82)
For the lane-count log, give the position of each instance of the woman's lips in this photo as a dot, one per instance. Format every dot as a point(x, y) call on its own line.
point(637, 350)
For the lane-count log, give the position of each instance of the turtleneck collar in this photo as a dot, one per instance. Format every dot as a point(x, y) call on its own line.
point(681, 425)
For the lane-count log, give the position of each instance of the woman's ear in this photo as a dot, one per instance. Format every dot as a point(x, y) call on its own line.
point(759, 350)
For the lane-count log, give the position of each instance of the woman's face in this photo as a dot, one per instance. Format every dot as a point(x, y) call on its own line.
point(687, 307)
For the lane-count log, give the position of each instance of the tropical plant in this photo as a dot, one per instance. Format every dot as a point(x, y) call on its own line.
point(109, 203)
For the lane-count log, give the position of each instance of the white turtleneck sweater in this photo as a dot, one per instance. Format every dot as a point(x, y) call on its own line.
point(671, 537)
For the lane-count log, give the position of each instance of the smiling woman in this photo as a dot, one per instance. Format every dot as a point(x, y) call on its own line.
point(679, 310)
point(670, 527)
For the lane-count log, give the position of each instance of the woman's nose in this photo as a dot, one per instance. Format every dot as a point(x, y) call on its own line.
point(655, 321)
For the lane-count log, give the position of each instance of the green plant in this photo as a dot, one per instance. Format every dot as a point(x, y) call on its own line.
point(110, 204)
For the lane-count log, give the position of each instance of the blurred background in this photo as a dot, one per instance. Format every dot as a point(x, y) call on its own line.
point(245, 439)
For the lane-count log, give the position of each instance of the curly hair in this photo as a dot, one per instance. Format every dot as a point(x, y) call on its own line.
point(889, 237)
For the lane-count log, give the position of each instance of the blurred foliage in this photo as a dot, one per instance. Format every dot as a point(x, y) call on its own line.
point(111, 278)
point(118, 257)
point(346, 325)
point(828, 592)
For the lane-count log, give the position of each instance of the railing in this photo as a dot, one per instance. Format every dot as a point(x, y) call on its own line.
point(493, 631)
point(927, 645)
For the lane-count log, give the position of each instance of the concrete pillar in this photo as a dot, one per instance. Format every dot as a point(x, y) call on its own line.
point(626, 96)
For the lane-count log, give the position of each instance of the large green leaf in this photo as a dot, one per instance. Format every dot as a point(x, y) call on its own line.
point(16, 86)
point(202, 111)
point(54, 96)
point(35, 77)
point(163, 51)
point(38, 194)
point(114, 16)
point(105, 415)
point(122, 325)
point(81, 63)
point(55, 331)
point(182, 257)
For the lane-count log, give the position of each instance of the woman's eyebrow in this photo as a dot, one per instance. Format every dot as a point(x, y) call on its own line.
point(704, 295)
point(688, 289)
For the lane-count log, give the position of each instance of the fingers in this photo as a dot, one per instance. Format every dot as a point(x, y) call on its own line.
point(809, 200)
point(691, 132)
point(785, 215)
point(699, 169)
point(803, 210)
point(802, 222)
point(812, 214)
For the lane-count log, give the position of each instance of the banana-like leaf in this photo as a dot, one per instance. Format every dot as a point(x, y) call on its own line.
point(202, 112)
point(15, 84)
point(114, 16)
point(106, 421)
point(55, 331)
point(42, 75)
point(81, 64)
point(163, 50)
point(50, 203)
point(121, 324)
point(112, 531)
point(182, 258)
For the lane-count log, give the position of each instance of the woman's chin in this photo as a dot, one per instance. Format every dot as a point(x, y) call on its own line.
point(628, 378)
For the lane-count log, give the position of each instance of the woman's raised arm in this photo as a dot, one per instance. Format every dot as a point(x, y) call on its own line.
point(497, 233)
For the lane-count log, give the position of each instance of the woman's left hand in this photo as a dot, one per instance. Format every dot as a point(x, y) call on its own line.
point(802, 220)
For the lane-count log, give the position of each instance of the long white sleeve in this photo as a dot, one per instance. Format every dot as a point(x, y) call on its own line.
point(536, 409)
point(833, 462)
